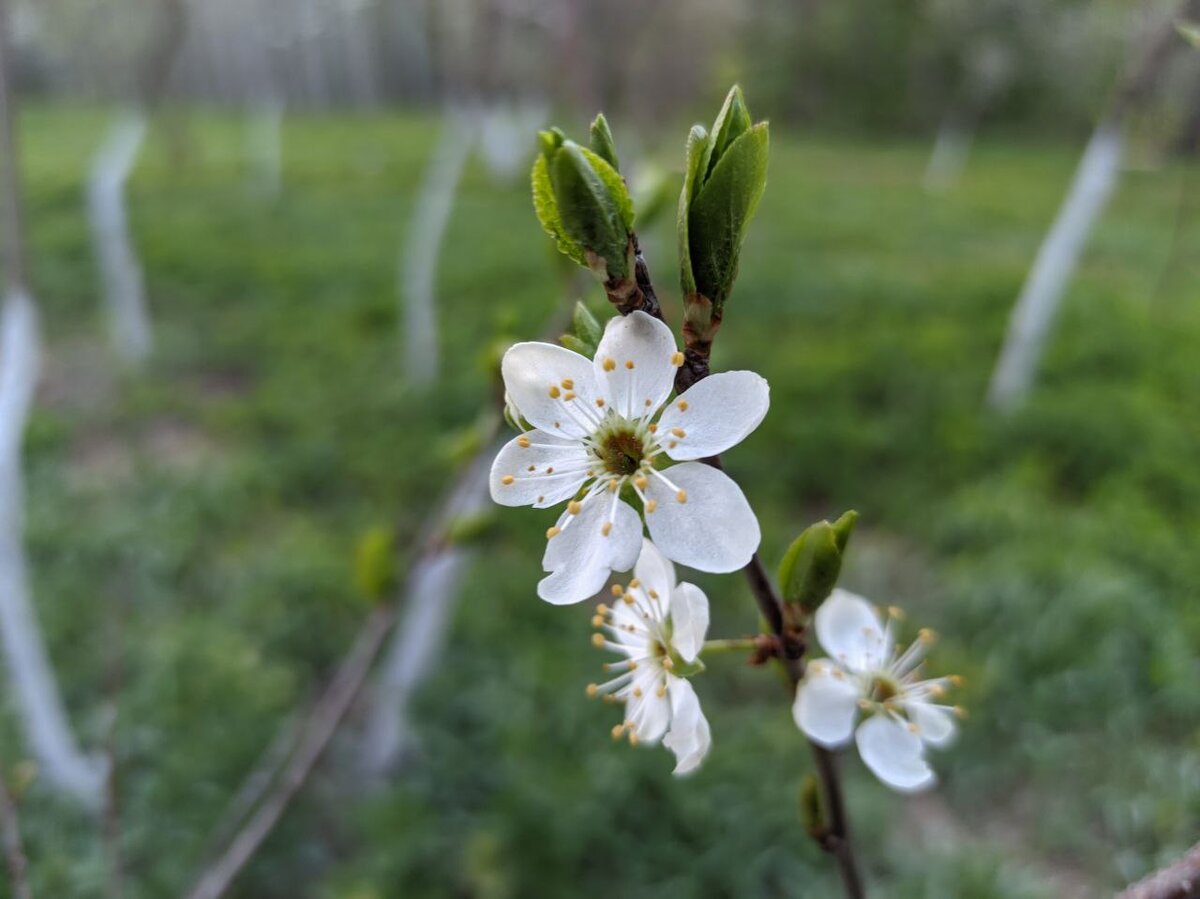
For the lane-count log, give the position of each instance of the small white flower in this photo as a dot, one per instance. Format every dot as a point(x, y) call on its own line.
point(658, 627)
point(868, 673)
point(597, 428)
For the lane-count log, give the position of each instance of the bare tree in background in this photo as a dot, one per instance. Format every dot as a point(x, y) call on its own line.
point(1093, 185)
point(47, 730)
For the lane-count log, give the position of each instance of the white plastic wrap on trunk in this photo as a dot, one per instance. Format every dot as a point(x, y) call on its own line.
point(47, 730)
point(423, 244)
point(430, 595)
point(1034, 313)
point(120, 271)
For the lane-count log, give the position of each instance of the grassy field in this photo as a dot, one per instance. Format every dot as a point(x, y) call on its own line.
point(195, 524)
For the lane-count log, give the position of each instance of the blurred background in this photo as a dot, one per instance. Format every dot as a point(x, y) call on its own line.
point(252, 594)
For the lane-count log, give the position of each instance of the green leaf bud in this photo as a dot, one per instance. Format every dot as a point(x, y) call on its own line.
point(812, 564)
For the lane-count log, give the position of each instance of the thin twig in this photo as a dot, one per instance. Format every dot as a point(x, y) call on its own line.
point(318, 731)
point(10, 832)
point(836, 837)
point(1180, 880)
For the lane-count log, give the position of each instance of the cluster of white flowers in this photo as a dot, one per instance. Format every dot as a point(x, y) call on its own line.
point(602, 431)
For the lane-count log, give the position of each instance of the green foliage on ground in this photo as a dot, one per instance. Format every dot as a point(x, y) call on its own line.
point(201, 523)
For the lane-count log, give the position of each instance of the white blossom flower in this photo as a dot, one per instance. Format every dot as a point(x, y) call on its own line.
point(868, 673)
point(597, 428)
point(658, 627)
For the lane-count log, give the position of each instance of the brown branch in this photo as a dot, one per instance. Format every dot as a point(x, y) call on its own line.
point(835, 839)
point(10, 833)
point(1180, 880)
point(636, 294)
point(315, 737)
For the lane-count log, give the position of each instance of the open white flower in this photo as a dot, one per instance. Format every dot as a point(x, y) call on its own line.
point(868, 673)
point(597, 428)
point(658, 628)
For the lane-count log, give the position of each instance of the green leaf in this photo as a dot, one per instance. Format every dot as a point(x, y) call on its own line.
point(1190, 31)
point(731, 123)
point(375, 563)
point(587, 326)
point(593, 215)
point(575, 345)
point(722, 211)
point(697, 147)
point(811, 566)
point(602, 142)
point(546, 208)
point(616, 186)
point(550, 141)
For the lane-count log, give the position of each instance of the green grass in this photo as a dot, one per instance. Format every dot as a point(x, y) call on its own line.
point(200, 519)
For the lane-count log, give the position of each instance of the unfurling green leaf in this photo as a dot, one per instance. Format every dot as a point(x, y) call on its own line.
point(375, 563)
point(583, 203)
point(811, 566)
point(725, 174)
point(602, 142)
point(587, 326)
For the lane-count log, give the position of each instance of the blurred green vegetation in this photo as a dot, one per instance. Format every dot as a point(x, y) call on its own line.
point(200, 522)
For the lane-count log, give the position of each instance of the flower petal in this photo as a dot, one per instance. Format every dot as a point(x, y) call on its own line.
point(634, 364)
point(712, 529)
point(655, 572)
point(826, 704)
point(581, 556)
point(559, 470)
point(690, 736)
point(850, 631)
point(553, 387)
point(649, 713)
point(894, 754)
point(689, 620)
point(714, 414)
point(935, 724)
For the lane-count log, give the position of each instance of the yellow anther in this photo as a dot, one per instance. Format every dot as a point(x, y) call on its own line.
point(839, 674)
point(553, 532)
point(926, 635)
point(618, 731)
point(653, 429)
point(569, 396)
point(661, 691)
point(651, 505)
point(667, 663)
point(555, 393)
point(597, 621)
point(568, 384)
point(677, 358)
point(592, 690)
point(896, 612)
point(640, 482)
point(632, 665)
point(600, 402)
point(613, 485)
point(629, 600)
point(913, 729)
point(602, 609)
point(960, 712)
point(633, 737)
point(682, 405)
point(574, 507)
point(549, 469)
point(629, 364)
point(648, 403)
point(523, 442)
point(637, 692)
point(864, 704)
point(681, 496)
point(610, 364)
point(957, 680)
point(616, 590)
point(540, 498)
point(531, 468)
point(654, 594)
point(937, 690)
point(679, 432)
point(506, 480)
point(606, 529)
point(634, 584)
point(598, 640)
point(672, 444)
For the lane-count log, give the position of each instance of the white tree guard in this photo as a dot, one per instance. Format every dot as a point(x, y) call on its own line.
point(1036, 308)
point(120, 270)
point(423, 244)
point(47, 730)
point(430, 595)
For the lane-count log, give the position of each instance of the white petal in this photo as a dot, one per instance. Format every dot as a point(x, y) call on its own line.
point(713, 530)
point(689, 619)
point(558, 470)
point(690, 736)
point(935, 725)
point(714, 414)
point(534, 376)
point(581, 556)
point(894, 754)
point(634, 366)
point(850, 631)
point(655, 572)
point(650, 714)
point(826, 704)
point(626, 615)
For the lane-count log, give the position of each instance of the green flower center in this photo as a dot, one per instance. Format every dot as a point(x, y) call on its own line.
point(621, 449)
